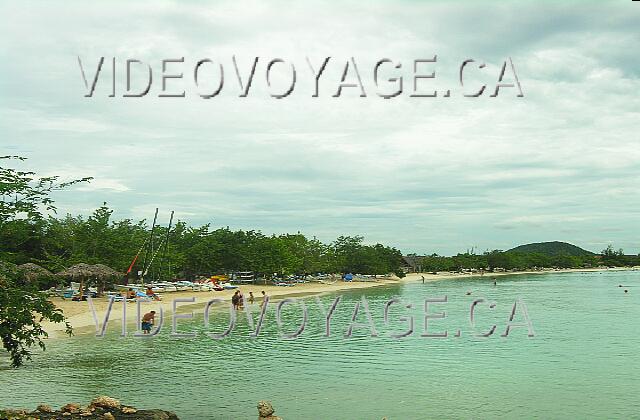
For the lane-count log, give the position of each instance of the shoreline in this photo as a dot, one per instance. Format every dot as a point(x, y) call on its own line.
point(80, 316)
point(452, 276)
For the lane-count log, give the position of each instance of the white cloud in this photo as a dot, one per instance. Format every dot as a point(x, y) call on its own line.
point(102, 184)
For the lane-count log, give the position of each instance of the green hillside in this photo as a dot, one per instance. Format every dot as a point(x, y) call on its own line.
point(552, 248)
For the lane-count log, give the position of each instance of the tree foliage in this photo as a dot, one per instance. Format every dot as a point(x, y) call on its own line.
point(58, 242)
point(25, 197)
point(515, 260)
point(22, 310)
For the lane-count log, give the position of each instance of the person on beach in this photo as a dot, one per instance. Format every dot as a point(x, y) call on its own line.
point(235, 300)
point(251, 298)
point(151, 293)
point(422, 279)
point(147, 321)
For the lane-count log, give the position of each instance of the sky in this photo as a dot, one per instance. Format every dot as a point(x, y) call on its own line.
point(423, 174)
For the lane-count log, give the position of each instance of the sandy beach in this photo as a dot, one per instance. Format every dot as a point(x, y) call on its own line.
point(80, 316)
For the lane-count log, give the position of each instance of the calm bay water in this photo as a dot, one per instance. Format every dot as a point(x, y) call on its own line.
point(582, 362)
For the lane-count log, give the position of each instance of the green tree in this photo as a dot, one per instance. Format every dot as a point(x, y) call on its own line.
point(22, 308)
point(611, 257)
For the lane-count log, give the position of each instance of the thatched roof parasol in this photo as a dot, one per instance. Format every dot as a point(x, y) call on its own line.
point(33, 271)
point(78, 270)
point(104, 271)
point(89, 270)
point(84, 272)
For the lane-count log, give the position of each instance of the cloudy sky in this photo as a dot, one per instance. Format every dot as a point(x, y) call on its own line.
point(422, 174)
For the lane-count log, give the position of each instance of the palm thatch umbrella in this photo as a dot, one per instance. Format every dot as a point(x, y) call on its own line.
point(103, 273)
point(33, 271)
point(37, 276)
point(86, 272)
point(77, 271)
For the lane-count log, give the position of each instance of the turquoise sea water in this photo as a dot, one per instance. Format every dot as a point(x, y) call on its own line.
point(583, 361)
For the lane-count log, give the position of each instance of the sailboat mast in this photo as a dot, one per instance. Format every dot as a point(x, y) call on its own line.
point(145, 267)
point(166, 248)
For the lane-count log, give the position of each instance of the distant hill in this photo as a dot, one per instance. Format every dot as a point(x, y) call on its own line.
point(552, 248)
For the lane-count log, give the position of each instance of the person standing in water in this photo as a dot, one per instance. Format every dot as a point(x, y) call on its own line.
point(422, 279)
point(240, 300)
point(147, 321)
point(235, 299)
